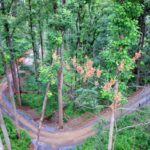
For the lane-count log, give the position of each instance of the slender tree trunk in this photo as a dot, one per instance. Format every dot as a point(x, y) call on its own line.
point(78, 42)
point(60, 86)
point(16, 81)
point(1, 145)
point(19, 81)
point(33, 41)
point(60, 79)
point(43, 112)
point(111, 130)
point(13, 62)
point(5, 133)
point(138, 75)
point(78, 28)
point(11, 92)
point(41, 43)
point(40, 25)
point(142, 27)
point(11, 95)
point(112, 120)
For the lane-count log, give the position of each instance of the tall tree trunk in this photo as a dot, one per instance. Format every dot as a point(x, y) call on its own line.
point(11, 95)
point(1, 145)
point(11, 92)
point(41, 40)
point(13, 62)
point(112, 120)
point(19, 80)
point(40, 29)
point(13, 67)
point(33, 41)
point(60, 80)
point(142, 27)
point(43, 112)
point(60, 85)
point(78, 40)
point(78, 28)
point(111, 130)
point(4, 130)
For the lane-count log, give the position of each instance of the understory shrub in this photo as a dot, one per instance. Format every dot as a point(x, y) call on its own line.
point(133, 138)
point(22, 143)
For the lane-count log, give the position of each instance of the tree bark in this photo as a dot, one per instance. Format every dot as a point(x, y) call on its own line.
point(78, 28)
point(43, 112)
point(112, 120)
point(60, 86)
point(33, 41)
point(41, 41)
point(19, 79)
point(1, 145)
point(11, 92)
point(111, 130)
point(142, 27)
point(5, 133)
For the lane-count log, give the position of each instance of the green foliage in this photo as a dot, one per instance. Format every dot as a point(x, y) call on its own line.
point(17, 144)
point(133, 138)
point(55, 39)
point(61, 20)
point(30, 83)
point(26, 68)
point(6, 57)
point(124, 23)
point(69, 110)
point(107, 31)
point(112, 59)
point(23, 143)
point(34, 100)
point(48, 73)
point(123, 34)
point(87, 98)
point(1, 68)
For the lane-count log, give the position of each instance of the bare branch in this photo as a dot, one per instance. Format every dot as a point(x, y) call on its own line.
point(134, 126)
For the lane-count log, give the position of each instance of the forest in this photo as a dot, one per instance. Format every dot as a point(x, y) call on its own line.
point(74, 74)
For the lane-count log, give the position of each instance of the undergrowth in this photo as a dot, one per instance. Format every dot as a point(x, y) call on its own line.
point(133, 138)
point(17, 144)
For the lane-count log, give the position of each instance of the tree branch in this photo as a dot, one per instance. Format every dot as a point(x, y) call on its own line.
point(134, 126)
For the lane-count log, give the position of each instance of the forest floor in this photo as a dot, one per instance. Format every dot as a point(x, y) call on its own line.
point(77, 129)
